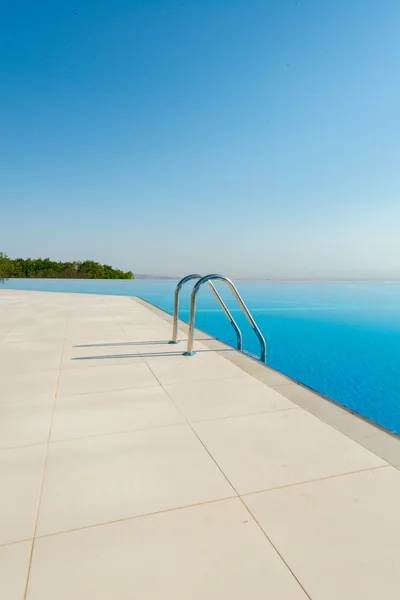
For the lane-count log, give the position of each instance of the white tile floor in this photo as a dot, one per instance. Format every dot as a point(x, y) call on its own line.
point(105, 378)
point(14, 569)
point(265, 451)
point(213, 550)
point(233, 396)
point(340, 535)
point(115, 412)
point(136, 472)
point(21, 473)
point(25, 422)
point(28, 386)
point(110, 477)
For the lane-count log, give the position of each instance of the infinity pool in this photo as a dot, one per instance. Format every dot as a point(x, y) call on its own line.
point(341, 339)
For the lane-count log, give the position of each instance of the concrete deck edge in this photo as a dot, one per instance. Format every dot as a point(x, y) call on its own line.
point(371, 436)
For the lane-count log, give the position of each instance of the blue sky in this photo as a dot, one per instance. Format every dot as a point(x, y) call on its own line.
point(252, 137)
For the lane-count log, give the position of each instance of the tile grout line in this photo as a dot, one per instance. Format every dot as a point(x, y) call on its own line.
point(45, 463)
point(123, 431)
point(105, 391)
point(216, 378)
point(122, 520)
point(180, 423)
point(136, 387)
point(109, 308)
point(127, 359)
point(276, 549)
point(237, 494)
point(109, 433)
point(4, 544)
point(38, 398)
point(260, 412)
point(176, 508)
point(307, 481)
point(7, 332)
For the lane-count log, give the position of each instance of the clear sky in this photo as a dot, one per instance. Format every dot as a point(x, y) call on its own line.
point(252, 137)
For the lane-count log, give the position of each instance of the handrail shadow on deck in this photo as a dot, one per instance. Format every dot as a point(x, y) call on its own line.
point(149, 343)
point(148, 354)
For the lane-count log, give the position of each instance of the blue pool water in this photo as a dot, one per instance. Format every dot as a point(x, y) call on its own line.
point(341, 339)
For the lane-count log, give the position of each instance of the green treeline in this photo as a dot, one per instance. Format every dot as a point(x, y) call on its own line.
point(46, 268)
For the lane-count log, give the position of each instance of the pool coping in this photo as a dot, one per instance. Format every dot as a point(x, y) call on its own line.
point(365, 432)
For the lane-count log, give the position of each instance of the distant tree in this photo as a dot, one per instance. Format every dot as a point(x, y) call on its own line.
point(46, 268)
point(5, 266)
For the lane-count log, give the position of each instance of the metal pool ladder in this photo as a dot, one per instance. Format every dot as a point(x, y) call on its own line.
point(201, 281)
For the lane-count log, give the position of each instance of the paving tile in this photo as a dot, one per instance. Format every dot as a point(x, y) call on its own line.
point(137, 319)
point(81, 357)
point(165, 349)
point(98, 479)
point(275, 449)
point(25, 422)
point(37, 329)
point(150, 334)
point(21, 471)
point(89, 314)
point(109, 412)
point(46, 334)
point(28, 357)
point(211, 551)
point(102, 379)
point(92, 319)
point(340, 536)
point(14, 565)
point(27, 386)
point(101, 329)
point(159, 349)
point(202, 366)
point(225, 398)
point(97, 338)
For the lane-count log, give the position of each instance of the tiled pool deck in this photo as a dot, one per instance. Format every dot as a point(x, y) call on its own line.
point(128, 471)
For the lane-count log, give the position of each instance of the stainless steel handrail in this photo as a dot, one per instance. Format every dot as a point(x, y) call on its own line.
point(246, 311)
point(220, 301)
